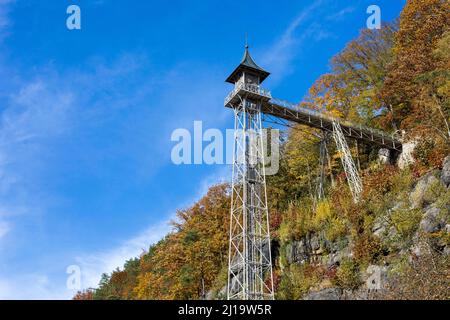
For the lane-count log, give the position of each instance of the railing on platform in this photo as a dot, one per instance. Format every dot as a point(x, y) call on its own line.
point(249, 87)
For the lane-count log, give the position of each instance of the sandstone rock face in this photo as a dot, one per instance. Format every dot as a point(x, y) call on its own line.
point(325, 294)
point(406, 157)
point(376, 277)
point(336, 257)
point(445, 174)
point(379, 226)
point(305, 250)
point(298, 252)
point(417, 196)
point(383, 156)
point(431, 221)
point(426, 197)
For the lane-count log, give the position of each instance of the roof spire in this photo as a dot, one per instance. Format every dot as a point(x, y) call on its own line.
point(248, 65)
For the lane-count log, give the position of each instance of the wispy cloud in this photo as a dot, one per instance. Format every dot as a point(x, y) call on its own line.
point(31, 287)
point(341, 14)
point(30, 117)
point(4, 229)
point(46, 115)
point(37, 115)
point(42, 286)
point(94, 264)
point(280, 55)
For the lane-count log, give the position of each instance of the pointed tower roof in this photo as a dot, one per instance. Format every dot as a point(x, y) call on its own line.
point(247, 65)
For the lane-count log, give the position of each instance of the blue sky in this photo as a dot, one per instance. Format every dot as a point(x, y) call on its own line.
point(86, 117)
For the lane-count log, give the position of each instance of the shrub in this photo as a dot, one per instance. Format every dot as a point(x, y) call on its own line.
point(297, 221)
point(348, 275)
point(435, 192)
point(336, 229)
point(406, 222)
point(87, 294)
point(219, 283)
point(296, 281)
point(424, 277)
point(367, 249)
point(429, 153)
point(322, 214)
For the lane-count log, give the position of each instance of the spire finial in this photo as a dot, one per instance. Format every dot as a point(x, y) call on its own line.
point(246, 40)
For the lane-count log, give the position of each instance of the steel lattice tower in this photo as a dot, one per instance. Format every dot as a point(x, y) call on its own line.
point(250, 262)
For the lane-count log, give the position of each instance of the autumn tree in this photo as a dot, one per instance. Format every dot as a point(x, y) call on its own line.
point(186, 264)
point(353, 88)
point(422, 25)
point(87, 294)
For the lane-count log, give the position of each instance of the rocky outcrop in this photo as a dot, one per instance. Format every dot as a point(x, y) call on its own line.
point(304, 250)
point(325, 294)
point(418, 195)
point(384, 156)
point(336, 255)
point(376, 277)
point(445, 173)
point(424, 197)
point(298, 252)
point(406, 157)
point(432, 221)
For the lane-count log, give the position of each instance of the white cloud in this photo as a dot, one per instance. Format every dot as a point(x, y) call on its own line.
point(341, 14)
point(42, 286)
point(4, 229)
point(52, 106)
point(31, 287)
point(279, 56)
point(94, 264)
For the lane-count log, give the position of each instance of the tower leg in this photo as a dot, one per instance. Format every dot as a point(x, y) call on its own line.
point(320, 185)
point(250, 274)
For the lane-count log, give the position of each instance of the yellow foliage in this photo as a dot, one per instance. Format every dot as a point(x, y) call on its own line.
point(336, 229)
point(322, 214)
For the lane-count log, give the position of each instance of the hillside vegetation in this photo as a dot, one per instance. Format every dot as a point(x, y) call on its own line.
point(393, 244)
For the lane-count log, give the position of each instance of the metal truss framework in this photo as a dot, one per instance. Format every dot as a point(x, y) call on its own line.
point(354, 181)
point(320, 185)
point(315, 119)
point(353, 178)
point(250, 274)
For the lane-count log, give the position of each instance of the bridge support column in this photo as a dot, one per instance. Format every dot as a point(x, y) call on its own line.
point(353, 178)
